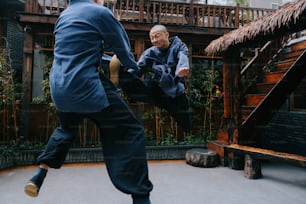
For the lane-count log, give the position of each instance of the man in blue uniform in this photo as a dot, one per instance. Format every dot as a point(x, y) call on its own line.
point(79, 91)
point(167, 65)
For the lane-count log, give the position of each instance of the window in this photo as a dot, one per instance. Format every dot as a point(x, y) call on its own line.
point(43, 52)
point(274, 5)
point(202, 2)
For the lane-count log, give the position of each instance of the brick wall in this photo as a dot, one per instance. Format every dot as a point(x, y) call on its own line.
point(286, 132)
point(15, 39)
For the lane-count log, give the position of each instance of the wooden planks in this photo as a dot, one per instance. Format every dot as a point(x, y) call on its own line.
point(267, 154)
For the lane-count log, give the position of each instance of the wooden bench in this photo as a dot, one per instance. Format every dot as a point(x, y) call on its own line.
point(253, 156)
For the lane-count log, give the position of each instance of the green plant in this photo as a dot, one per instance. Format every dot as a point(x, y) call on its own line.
point(202, 93)
point(193, 139)
point(243, 3)
point(164, 124)
point(269, 67)
point(13, 147)
point(8, 94)
point(149, 138)
point(168, 139)
point(46, 85)
point(8, 149)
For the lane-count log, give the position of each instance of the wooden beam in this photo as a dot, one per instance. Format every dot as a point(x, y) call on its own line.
point(36, 18)
point(27, 80)
point(231, 90)
point(28, 18)
point(182, 29)
point(139, 47)
point(266, 154)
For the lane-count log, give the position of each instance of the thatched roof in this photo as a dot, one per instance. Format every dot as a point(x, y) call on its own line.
point(288, 13)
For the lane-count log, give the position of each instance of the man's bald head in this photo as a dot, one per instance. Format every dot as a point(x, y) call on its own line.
point(159, 36)
point(159, 27)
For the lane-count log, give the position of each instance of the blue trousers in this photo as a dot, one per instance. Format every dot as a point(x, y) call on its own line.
point(150, 92)
point(123, 144)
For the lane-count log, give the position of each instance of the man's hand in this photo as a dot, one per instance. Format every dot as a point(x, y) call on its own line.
point(184, 71)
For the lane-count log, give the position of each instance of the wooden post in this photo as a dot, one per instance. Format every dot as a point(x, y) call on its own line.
point(231, 87)
point(237, 20)
point(252, 168)
point(139, 49)
point(226, 87)
point(191, 13)
point(189, 44)
point(229, 133)
point(141, 10)
point(235, 161)
point(139, 46)
point(236, 96)
point(27, 80)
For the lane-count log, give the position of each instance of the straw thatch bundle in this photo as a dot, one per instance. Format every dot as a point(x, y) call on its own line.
point(288, 13)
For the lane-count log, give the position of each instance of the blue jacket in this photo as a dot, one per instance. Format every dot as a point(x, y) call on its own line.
point(164, 65)
point(82, 32)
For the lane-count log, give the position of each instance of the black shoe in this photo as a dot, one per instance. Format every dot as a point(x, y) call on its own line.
point(141, 200)
point(33, 186)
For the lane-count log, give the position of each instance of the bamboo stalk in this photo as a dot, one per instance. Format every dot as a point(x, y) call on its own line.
point(210, 101)
point(80, 133)
point(157, 125)
point(4, 122)
point(48, 125)
point(85, 123)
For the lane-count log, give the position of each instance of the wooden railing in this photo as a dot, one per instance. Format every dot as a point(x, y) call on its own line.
point(252, 73)
point(146, 11)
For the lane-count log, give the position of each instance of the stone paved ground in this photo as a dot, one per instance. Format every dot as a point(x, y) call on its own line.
point(175, 182)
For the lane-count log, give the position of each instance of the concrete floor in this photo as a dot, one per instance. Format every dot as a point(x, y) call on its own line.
point(175, 182)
